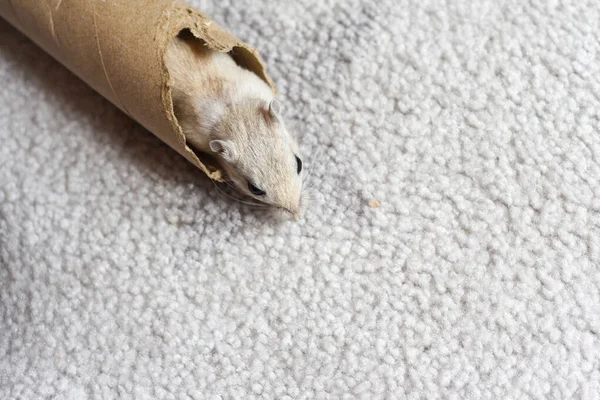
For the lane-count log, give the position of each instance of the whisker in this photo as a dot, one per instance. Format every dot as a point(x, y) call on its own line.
point(222, 192)
point(232, 186)
point(236, 190)
point(311, 166)
point(311, 185)
point(309, 181)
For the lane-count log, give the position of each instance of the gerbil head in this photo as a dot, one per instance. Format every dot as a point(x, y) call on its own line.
point(259, 155)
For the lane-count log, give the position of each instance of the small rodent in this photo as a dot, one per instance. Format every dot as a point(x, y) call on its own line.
point(229, 112)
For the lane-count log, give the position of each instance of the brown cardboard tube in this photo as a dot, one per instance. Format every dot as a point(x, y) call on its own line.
point(118, 46)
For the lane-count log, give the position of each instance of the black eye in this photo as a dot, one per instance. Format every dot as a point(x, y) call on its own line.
point(255, 191)
point(299, 164)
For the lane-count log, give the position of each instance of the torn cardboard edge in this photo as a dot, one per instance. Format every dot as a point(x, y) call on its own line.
point(119, 47)
point(215, 38)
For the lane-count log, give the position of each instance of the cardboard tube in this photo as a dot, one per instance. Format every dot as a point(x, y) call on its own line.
point(118, 46)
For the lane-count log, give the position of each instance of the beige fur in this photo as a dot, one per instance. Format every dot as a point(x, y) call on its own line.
point(230, 112)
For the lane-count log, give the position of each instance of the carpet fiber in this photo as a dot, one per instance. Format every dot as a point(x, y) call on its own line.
point(124, 273)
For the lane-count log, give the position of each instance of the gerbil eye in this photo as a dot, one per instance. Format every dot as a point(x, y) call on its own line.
point(255, 191)
point(299, 164)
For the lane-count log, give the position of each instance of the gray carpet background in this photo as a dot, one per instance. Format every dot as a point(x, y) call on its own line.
point(124, 274)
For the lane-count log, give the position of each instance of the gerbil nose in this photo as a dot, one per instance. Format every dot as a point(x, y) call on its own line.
point(293, 212)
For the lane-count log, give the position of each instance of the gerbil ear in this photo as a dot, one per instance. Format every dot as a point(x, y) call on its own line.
point(225, 148)
point(274, 108)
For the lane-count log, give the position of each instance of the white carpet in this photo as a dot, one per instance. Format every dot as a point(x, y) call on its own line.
point(476, 125)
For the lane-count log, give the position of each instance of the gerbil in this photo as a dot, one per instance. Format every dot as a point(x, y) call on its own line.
point(231, 113)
